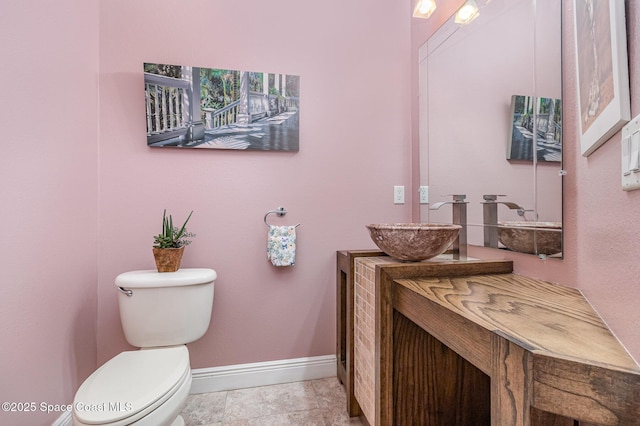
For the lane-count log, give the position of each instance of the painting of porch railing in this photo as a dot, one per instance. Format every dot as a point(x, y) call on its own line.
point(194, 107)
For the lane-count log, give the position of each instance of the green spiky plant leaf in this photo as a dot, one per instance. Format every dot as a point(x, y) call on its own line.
point(171, 236)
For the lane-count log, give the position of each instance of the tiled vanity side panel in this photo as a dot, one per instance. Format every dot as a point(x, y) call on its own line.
point(364, 325)
point(364, 338)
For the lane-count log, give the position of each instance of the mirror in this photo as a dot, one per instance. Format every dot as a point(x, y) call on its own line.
point(483, 85)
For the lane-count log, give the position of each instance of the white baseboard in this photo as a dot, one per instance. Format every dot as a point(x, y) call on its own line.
point(250, 375)
point(262, 373)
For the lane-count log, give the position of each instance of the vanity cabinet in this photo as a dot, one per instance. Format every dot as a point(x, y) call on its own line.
point(470, 343)
point(545, 354)
point(369, 266)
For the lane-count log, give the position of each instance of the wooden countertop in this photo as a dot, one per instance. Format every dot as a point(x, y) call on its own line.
point(571, 363)
point(539, 316)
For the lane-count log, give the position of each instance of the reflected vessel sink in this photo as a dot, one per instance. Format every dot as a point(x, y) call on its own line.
point(413, 241)
point(531, 237)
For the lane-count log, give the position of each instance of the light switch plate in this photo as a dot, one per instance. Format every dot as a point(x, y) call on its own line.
point(630, 150)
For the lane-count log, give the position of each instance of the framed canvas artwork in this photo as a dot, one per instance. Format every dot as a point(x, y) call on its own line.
point(193, 107)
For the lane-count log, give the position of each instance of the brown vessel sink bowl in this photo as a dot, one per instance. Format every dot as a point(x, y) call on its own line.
point(413, 241)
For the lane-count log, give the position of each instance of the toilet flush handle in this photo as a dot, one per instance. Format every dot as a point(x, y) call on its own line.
point(125, 291)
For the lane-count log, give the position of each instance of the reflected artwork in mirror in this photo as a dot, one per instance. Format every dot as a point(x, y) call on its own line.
point(547, 114)
point(484, 88)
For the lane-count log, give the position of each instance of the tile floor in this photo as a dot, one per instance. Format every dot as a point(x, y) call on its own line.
point(313, 402)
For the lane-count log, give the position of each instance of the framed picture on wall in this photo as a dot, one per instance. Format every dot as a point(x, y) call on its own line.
point(602, 70)
point(210, 108)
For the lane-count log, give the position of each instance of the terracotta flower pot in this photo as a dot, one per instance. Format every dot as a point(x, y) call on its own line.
point(168, 259)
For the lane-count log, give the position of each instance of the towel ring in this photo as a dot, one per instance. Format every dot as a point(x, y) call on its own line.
point(281, 211)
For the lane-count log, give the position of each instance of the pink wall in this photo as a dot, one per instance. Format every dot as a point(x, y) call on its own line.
point(49, 213)
point(600, 243)
point(76, 170)
point(606, 218)
point(353, 61)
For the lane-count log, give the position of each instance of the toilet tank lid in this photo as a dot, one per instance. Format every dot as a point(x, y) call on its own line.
point(152, 278)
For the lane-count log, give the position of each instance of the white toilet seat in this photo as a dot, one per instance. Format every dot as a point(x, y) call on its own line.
point(148, 386)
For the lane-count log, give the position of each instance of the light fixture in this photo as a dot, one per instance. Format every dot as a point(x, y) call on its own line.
point(467, 13)
point(424, 8)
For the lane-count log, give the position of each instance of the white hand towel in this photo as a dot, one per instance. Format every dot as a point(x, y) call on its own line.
point(281, 245)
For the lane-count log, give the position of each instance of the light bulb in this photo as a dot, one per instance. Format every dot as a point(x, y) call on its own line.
point(467, 13)
point(424, 8)
point(427, 6)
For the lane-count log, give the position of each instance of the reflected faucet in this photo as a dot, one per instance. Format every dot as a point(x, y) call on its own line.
point(490, 216)
point(522, 213)
point(459, 208)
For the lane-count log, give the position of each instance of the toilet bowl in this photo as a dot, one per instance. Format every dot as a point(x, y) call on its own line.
point(160, 313)
point(131, 387)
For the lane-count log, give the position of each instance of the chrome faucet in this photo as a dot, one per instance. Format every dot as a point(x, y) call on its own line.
point(490, 217)
point(459, 208)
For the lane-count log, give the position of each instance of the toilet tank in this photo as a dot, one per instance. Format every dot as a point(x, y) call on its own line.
point(165, 308)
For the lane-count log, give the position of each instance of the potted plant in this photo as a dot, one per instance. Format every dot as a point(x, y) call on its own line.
point(168, 246)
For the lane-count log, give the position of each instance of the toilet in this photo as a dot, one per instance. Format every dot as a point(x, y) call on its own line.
point(160, 314)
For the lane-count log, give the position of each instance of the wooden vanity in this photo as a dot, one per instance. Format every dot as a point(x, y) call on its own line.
point(470, 343)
